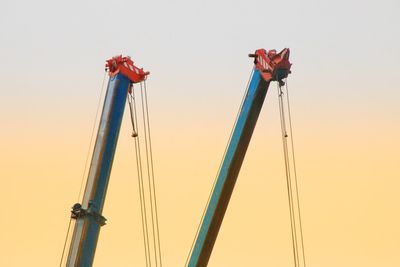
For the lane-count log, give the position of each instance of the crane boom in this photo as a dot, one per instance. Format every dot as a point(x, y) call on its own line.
point(88, 215)
point(269, 66)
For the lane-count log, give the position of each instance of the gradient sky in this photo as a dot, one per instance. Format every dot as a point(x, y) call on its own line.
point(345, 103)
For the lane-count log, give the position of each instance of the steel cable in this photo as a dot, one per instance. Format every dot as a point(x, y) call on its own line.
point(219, 169)
point(148, 172)
point(91, 136)
point(86, 163)
point(295, 173)
point(65, 242)
point(152, 173)
point(143, 208)
point(288, 178)
point(293, 190)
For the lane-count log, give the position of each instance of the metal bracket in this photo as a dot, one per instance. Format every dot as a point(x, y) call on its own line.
point(78, 212)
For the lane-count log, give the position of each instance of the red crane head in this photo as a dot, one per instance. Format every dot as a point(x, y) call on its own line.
point(124, 65)
point(272, 65)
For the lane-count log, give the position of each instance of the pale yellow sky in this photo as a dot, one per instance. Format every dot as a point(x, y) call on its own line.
point(345, 108)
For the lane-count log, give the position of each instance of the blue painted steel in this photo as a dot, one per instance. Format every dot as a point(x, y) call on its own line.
point(229, 171)
point(87, 228)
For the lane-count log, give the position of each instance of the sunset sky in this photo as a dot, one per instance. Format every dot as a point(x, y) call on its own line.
point(345, 96)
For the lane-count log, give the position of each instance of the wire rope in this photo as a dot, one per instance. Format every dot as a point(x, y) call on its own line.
point(288, 177)
point(85, 166)
point(219, 169)
point(65, 242)
point(152, 173)
point(91, 137)
point(148, 172)
point(141, 183)
point(292, 182)
point(295, 173)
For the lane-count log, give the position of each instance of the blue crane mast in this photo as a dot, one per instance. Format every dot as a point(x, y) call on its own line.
point(269, 66)
point(88, 215)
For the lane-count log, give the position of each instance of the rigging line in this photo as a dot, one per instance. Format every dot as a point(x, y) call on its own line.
point(288, 178)
point(290, 185)
point(148, 174)
point(86, 163)
point(295, 173)
point(152, 172)
point(91, 136)
point(132, 109)
point(283, 134)
point(65, 242)
point(141, 187)
point(219, 168)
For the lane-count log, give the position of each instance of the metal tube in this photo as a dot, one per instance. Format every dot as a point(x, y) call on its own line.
point(229, 171)
point(89, 220)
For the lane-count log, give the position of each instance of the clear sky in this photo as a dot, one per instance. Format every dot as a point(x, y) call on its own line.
point(345, 103)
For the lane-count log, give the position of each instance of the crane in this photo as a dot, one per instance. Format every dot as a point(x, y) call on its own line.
point(268, 66)
point(88, 214)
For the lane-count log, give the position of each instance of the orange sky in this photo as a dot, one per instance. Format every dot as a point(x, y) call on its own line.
point(346, 116)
